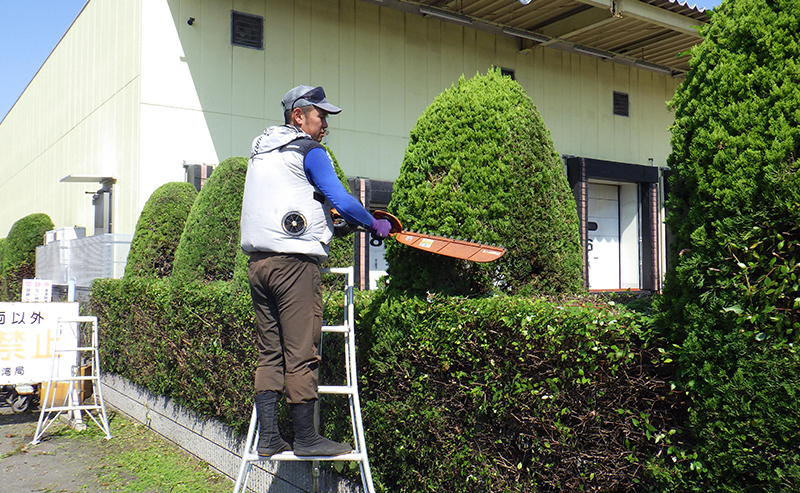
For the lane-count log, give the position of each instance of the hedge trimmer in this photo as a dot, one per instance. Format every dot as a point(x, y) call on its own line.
point(440, 245)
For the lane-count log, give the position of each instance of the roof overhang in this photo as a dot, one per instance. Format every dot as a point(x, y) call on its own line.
point(651, 34)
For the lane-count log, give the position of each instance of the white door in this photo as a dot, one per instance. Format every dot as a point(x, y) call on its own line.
point(603, 222)
point(377, 263)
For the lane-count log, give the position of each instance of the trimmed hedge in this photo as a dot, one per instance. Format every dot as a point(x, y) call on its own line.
point(159, 230)
point(480, 164)
point(509, 394)
point(730, 302)
point(19, 255)
point(209, 248)
point(492, 395)
point(192, 341)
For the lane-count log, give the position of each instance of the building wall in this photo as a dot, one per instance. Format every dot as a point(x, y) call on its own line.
point(79, 115)
point(133, 90)
point(384, 67)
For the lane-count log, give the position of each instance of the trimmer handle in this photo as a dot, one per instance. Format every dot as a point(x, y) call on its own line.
point(396, 226)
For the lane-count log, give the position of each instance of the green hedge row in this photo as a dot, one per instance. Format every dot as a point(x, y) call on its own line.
point(520, 394)
point(495, 394)
point(191, 341)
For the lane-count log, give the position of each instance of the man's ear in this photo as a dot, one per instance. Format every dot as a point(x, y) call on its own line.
point(298, 116)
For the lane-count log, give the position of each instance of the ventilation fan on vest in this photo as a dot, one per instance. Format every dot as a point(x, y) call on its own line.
point(294, 223)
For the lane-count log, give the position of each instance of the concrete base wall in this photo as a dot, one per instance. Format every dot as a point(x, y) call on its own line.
point(215, 443)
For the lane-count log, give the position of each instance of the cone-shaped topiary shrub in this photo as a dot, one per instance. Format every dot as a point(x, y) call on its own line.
point(159, 230)
point(481, 165)
point(19, 255)
point(209, 248)
point(731, 298)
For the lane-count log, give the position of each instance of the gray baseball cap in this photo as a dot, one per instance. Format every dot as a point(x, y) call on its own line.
point(301, 96)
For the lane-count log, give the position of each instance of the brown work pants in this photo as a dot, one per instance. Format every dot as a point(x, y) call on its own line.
point(288, 303)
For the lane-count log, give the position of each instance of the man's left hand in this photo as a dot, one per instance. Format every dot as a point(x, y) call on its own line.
point(380, 228)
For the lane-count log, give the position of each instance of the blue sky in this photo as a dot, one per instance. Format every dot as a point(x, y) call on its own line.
point(30, 29)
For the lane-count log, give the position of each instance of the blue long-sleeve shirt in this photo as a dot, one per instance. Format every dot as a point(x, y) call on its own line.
point(320, 172)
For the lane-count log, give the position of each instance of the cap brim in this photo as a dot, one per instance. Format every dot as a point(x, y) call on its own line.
point(328, 107)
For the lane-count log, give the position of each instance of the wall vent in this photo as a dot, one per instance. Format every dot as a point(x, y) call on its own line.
point(621, 104)
point(247, 30)
point(508, 72)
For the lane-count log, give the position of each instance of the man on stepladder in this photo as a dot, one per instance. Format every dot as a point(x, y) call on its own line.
point(286, 227)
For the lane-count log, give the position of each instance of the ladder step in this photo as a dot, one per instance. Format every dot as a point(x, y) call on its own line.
point(67, 320)
point(70, 408)
point(337, 389)
point(73, 379)
point(289, 456)
point(336, 328)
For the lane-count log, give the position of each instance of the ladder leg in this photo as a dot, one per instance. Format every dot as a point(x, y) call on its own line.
point(361, 443)
point(98, 395)
point(71, 404)
point(244, 467)
point(49, 395)
point(40, 425)
point(352, 377)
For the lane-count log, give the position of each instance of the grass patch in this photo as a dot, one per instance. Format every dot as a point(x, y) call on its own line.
point(138, 460)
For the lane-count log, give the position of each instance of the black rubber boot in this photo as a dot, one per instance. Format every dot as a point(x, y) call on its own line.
point(269, 438)
point(307, 442)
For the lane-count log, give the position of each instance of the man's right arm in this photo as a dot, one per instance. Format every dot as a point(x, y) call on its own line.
point(319, 169)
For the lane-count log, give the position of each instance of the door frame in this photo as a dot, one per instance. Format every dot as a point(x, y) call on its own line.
point(580, 170)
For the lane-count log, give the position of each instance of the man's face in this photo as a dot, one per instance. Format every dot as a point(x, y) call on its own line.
point(314, 122)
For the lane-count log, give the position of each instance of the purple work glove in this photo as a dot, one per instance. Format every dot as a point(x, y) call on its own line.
point(380, 228)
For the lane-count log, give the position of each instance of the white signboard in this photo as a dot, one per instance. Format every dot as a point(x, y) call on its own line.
point(37, 290)
point(27, 334)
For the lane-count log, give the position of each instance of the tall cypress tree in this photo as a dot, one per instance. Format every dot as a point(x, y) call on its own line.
point(159, 230)
point(731, 297)
point(481, 165)
point(209, 248)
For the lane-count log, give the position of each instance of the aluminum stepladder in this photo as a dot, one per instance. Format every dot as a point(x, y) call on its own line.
point(50, 410)
point(249, 455)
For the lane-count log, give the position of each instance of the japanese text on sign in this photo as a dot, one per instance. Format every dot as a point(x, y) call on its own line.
point(37, 290)
point(28, 332)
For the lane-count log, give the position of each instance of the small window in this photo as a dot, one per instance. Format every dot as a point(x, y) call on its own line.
point(247, 30)
point(621, 105)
